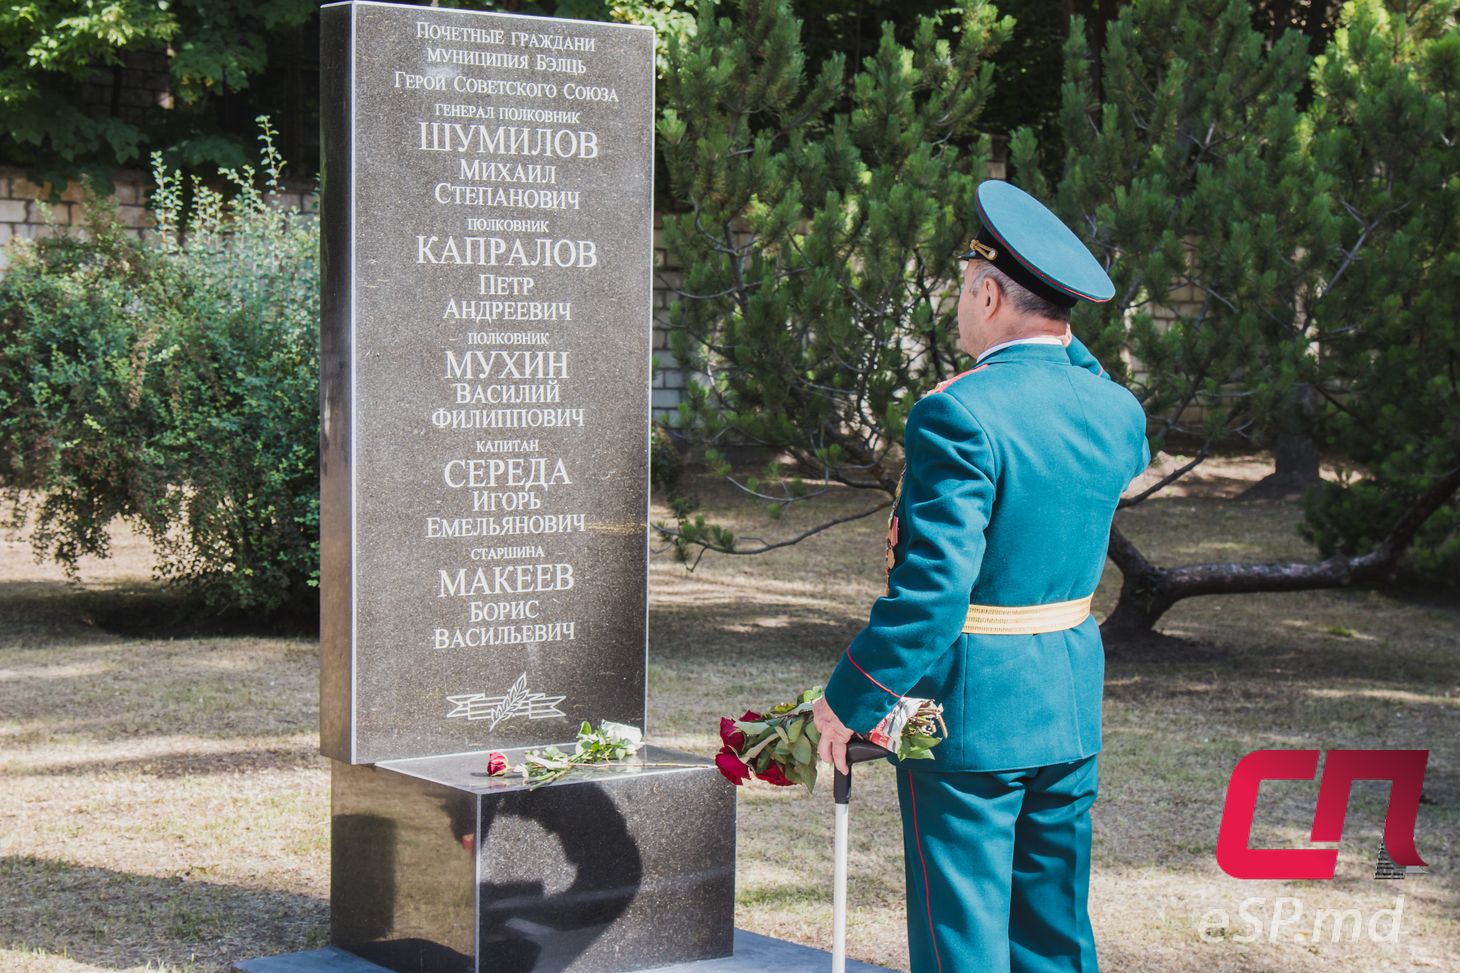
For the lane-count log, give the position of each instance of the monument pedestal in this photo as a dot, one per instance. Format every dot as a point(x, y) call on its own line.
point(439, 868)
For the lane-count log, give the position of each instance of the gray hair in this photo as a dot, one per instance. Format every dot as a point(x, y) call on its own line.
point(1022, 298)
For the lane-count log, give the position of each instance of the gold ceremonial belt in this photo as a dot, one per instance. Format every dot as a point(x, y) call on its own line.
point(1026, 619)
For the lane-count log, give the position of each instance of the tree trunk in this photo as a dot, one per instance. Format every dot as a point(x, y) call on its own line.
point(1148, 591)
point(1296, 457)
point(1144, 591)
point(1295, 454)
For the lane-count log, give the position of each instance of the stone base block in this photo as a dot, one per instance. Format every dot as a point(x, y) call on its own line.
point(439, 868)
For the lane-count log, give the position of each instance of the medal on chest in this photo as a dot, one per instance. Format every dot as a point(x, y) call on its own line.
point(891, 558)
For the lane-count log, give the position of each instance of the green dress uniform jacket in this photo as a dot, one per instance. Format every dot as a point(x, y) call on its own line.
point(1012, 473)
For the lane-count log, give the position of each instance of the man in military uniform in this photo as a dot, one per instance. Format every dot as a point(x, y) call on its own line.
point(996, 541)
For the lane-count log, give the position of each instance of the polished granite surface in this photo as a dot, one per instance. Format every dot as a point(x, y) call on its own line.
point(485, 358)
point(436, 865)
point(467, 771)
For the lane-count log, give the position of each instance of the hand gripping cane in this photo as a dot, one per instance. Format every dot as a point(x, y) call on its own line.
point(858, 750)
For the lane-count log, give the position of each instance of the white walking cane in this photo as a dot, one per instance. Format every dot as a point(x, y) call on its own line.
point(858, 750)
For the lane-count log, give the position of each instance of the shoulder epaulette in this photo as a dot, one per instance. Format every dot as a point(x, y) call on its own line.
point(949, 381)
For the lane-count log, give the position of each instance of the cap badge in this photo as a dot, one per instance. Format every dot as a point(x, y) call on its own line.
point(982, 249)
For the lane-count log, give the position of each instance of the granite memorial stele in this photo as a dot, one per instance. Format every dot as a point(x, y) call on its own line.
point(485, 353)
point(486, 272)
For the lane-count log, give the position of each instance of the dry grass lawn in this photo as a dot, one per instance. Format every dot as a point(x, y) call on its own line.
point(163, 807)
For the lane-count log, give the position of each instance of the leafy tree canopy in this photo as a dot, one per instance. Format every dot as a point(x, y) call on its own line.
point(51, 51)
point(64, 68)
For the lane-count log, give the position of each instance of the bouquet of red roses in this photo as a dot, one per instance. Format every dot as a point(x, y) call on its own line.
point(779, 747)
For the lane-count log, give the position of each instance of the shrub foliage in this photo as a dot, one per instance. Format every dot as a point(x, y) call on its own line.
point(172, 382)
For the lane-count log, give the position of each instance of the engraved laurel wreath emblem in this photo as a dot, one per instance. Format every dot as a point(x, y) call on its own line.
point(518, 701)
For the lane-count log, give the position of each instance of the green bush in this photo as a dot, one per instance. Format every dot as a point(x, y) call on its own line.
point(172, 382)
point(1352, 516)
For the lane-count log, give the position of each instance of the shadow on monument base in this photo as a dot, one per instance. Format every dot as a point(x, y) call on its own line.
point(438, 868)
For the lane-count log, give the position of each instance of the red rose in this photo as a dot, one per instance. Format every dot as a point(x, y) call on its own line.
point(730, 765)
point(496, 763)
point(750, 717)
point(731, 737)
point(773, 775)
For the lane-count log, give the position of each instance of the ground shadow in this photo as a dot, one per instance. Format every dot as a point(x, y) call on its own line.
point(169, 766)
point(58, 610)
point(64, 676)
point(118, 920)
point(1158, 647)
point(683, 634)
point(158, 613)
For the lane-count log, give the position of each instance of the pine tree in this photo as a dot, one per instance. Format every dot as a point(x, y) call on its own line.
point(1277, 271)
point(1386, 121)
point(1197, 172)
point(820, 244)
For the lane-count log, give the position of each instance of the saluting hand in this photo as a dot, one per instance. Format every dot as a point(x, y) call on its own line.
point(834, 735)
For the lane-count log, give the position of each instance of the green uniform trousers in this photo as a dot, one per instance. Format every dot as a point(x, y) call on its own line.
point(998, 868)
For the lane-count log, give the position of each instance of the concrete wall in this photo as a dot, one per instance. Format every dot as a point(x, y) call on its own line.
point(23, 205)
point(22, 212)
point(670, 380)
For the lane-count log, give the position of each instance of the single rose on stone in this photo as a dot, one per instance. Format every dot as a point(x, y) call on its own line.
point(735, 771)
point(496, 763)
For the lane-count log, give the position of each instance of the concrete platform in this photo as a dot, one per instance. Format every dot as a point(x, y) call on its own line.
point(754, 953)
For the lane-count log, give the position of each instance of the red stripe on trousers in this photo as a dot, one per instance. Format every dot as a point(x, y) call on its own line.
point(927, 893)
